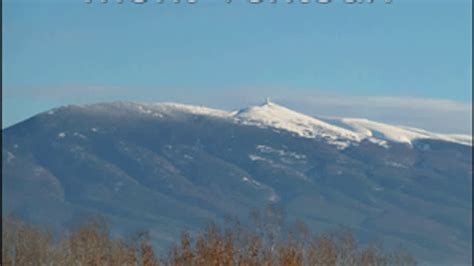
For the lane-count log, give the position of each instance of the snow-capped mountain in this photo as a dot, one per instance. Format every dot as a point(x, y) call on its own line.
point(342, 132)
point(168, 166)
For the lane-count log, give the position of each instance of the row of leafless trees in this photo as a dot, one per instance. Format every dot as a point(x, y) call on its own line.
point(89, 244)
point(232, 244)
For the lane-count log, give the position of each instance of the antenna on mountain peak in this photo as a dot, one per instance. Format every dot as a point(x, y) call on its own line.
point(267, 100)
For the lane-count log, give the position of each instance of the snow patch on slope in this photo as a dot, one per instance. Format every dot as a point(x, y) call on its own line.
point(10, 156)
point(267, 149)
point(271, 195)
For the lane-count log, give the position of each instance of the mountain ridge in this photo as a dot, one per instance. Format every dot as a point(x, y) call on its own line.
point(276, 116)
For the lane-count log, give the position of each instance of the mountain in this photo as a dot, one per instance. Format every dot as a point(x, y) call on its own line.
point(166, 167)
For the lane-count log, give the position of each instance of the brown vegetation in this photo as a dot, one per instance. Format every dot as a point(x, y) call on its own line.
point(234, 244)
point(89, 244)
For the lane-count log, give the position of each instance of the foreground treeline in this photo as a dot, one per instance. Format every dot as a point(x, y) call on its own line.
point(232, 244)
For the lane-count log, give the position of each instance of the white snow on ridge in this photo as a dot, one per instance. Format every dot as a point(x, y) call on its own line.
point(157, 110)
point(367, 128)
point(198, 110)
point(464, 139)
point(401, 134)
point(340, 132)
point(276, 116)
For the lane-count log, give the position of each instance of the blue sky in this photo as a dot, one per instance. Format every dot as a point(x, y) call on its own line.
point(374, 57)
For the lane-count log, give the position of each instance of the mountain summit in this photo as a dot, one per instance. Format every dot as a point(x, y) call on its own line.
point(169, 166)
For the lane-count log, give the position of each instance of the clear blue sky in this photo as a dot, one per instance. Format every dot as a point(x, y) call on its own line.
point(58, 53)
